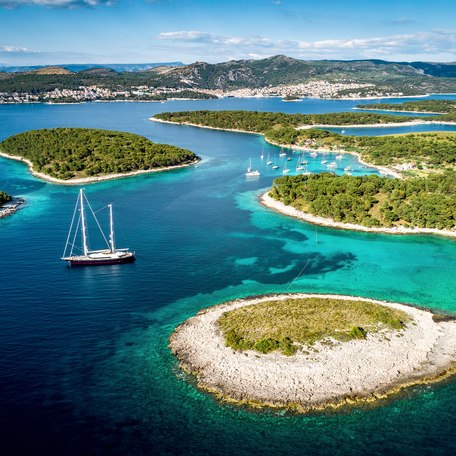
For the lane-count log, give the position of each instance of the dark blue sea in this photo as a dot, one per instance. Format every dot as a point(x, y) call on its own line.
point(85, 367)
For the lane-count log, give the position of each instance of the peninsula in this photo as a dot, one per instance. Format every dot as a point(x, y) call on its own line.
point(307, 352)
point(81, 155)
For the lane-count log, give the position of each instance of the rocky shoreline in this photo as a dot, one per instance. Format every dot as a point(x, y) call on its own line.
point(325, 376)
point(11, 207)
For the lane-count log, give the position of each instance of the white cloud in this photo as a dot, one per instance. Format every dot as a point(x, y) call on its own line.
point(11, 4)
point(13, 49)
point(422, 44)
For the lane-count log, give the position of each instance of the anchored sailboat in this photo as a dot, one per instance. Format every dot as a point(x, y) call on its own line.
point(110, 255)
point(251, 172)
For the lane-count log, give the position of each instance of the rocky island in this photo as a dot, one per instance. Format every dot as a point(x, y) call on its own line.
point(307, 352)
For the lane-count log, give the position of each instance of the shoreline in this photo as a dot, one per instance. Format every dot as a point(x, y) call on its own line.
point(308, 127)
point(324, 377)
point(290, 211)
point(94, 179)
point(227, 95)
point(381, 169)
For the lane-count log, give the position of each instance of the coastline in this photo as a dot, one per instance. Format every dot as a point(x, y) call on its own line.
point(90, 180)
point(410, 123)
point(326, 376)
point(382, 169)
point(290, 211)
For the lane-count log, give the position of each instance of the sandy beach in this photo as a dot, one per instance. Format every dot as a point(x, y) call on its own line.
point(90, 180)
point(327, 375)
point(278, 206)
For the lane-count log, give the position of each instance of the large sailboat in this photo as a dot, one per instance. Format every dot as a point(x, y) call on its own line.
point(86, 256)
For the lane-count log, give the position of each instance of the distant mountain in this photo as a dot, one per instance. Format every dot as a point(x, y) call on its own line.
point(281, 69)
point(119, 67)
point(51, 70)
point(352, 78)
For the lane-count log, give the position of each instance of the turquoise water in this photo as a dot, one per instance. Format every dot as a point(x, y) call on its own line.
point(85, 367)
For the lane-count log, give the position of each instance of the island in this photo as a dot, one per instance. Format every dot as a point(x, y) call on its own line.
point(422, 106)
point(308, 352)
point(421, 200)
point(8, 204)
point(83, 155)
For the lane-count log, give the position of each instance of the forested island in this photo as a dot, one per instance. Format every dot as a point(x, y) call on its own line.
point(260, 122)
point(69, 154)
point(430, 106)
point(373, 201)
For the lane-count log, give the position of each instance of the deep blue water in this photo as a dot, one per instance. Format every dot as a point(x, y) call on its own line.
point(84, 366)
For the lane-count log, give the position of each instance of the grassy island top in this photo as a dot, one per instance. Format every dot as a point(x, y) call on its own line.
point(67, 153)
point(4, 197)
point(289, 324)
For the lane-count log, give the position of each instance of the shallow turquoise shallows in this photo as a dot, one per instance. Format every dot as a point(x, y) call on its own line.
point(85, 368)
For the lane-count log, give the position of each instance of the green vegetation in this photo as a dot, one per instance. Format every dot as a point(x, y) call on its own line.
point(289, 324)
point(4, 198)
point(68, 153)
point(261, 122)
point(373, 201)
point(382, 77)
point(438, 106)
point(425, 150)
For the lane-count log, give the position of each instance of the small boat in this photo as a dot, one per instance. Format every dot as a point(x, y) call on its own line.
point(289, 159)
point(339, 157)
point(313, 154)
point(348, 168)
point(282, 153)
point(251, 172)
point(332, 165)
point(268, 161)
point(343, 131)
point(323, 162)
point(109, 255)
point(275, 166)
point(262, 154)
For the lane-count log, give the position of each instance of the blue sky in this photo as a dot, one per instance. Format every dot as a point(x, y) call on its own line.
point(34, 32)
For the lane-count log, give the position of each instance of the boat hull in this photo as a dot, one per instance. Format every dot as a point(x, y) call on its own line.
point(74, 262)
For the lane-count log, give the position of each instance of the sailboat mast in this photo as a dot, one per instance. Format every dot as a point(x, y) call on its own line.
point(83, 224)
point(111, 229)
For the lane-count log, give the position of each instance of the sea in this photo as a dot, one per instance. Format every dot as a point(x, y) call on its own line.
point(85, 367)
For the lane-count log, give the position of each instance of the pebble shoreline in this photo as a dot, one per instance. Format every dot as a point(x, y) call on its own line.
point(327, 377)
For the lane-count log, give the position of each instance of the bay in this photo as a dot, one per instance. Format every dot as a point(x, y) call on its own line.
point(84, 365)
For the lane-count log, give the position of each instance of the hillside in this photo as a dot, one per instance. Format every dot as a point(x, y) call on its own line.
point(358, 77)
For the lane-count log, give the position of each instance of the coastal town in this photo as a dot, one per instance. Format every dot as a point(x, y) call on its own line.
point(313, 89)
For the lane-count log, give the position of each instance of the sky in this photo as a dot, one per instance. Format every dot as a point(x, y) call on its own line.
point(42, 32)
